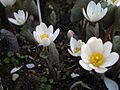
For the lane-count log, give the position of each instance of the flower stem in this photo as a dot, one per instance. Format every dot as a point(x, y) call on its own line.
point(39, 11)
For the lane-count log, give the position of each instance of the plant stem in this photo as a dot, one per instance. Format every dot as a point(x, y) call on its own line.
point(39, 11)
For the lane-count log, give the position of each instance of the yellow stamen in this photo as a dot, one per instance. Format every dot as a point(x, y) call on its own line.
point(44, 36)
point(113, 1)
point(76, 50)
point(97, 59)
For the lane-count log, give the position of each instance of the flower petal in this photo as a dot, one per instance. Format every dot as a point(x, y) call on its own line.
point(26, 15)
point(43, 27)
point(39, 30)
point(56, 33)
point(93, 67)
point(85, 53)
point(71, 52)
point(104, 12)
point(13, 21)
point(85, 15)
point(111, 60)
point(73, 42)
point(96, 45)
point(45, 42)
point(49, 30)
point(84, 65)
point(107, 47)
point(91, 8)
point(36, 36)
point(101, 70)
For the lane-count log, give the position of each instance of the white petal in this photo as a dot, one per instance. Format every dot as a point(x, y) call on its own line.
point(22, 15)
point(101, 70)
point(36, 36)
point(111, 60)
point(71, 53)
point(85, 53)
point(96, 45)
point(73, 42)
point(110, 84)
point(85, 15)
point(104, 12)
point(39, 30)
point(43, 26)
point(13, 21)
point(16, 15)
point(107, 47)
point(49, 30)
point(3, 2)
point(30, 65)
point(91, 8)
point(15, 69)
point(93, 67)
point(56, 33)
point(45, 42)
point(79, 43)
point(98, 8)
point(84, 65)
point(26, 15)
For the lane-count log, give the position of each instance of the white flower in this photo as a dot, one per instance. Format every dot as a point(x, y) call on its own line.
point(75, 47)
point(94, 12)
point(113, 2)
point(7, 2)
point(20, 17)
point(96, 55)
point(45, 36)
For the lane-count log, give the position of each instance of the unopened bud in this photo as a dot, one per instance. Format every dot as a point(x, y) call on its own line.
point(70, 34)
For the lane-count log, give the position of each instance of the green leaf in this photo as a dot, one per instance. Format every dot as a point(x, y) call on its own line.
point(43, 55)
point(43, 79)
point(7, 60)
point(43, 86)
point(10, 54)
point(116, 44)
point(76, 11)
point(48, 87)
point(13, 59)
point(17, 62)
point(51, 81)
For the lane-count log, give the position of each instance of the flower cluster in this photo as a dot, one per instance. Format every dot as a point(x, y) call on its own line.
point(94, 54)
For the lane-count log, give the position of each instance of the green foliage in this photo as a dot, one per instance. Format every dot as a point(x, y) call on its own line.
point(10, 54)
point(76, 11)
point(48, 87)
point(43, 79)
point(116, 44)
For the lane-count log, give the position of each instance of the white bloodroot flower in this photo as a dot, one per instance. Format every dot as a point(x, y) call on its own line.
point(96, 55)
point(7, 2)
point(113, 2)
point(45, 36)
point(20, 17)
point(75, 47)
point(94, 12)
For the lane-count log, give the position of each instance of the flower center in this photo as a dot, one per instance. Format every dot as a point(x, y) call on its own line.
point(44, 36)
point(76, 50)
point(113, 1)
point(96, 59)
